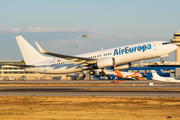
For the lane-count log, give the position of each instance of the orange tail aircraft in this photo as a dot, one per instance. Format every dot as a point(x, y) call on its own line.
point(128, 75)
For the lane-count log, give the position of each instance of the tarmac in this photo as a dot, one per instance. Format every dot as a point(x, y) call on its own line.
point(83, 90)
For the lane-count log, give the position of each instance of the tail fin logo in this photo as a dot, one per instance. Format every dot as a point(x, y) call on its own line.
point(118, 74)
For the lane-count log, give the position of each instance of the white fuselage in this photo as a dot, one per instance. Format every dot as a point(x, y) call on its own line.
point(122, 55)
point(167, 79)
point(157, 77)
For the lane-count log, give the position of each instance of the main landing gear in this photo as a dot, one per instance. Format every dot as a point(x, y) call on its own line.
point(102, 73)
point(92, 72)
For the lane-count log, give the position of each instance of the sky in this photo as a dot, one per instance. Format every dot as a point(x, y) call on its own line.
point(58, 25)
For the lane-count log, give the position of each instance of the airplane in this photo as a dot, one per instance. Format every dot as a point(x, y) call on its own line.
point(112, 74)
point(128, 75)
point(121, 74)
point(64, 64)
point(155, 76)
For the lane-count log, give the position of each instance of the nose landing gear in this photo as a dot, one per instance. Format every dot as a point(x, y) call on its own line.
point(163, 56)
point(161, 61)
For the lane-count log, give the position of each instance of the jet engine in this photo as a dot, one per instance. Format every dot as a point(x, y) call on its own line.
point(106, 62)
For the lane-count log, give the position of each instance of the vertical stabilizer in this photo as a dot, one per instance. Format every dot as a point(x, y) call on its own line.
point(29, 53)
point(154, 74)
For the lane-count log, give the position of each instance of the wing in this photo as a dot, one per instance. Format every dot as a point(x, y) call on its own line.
point(77, 60)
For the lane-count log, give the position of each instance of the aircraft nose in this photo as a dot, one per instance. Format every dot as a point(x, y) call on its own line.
point(174, 46)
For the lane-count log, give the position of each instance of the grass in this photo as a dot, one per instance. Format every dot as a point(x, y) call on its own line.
point(128, 108)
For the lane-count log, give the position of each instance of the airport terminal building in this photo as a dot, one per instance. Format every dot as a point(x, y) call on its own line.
point(16, 72)
point(11, 69)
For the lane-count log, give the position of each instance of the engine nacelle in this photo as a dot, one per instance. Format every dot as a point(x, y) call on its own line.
point(106, 62)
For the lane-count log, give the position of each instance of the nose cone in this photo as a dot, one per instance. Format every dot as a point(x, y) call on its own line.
point(173, 47)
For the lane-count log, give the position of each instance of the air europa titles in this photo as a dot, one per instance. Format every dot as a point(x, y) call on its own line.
point(127, 50)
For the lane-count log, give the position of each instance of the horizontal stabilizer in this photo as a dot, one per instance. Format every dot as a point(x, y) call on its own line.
point(20, 65)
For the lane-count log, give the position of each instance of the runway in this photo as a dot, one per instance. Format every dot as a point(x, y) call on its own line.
point(81, 82)
point(82, 90)
point(73, 92)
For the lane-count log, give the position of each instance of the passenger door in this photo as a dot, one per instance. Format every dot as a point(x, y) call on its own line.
point(155, 46)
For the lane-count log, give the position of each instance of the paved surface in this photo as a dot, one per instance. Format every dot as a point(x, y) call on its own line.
point(79, 81)
point(64, 92)
point(74, 90)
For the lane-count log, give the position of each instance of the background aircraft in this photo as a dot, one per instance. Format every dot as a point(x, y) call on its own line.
point(155, 76)
point(128, 75)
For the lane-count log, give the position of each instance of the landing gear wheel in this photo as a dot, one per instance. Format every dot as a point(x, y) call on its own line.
point(101, 73)
point(162, 61)
point(92, 72)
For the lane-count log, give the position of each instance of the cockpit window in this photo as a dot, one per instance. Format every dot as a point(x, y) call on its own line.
point(166, 43)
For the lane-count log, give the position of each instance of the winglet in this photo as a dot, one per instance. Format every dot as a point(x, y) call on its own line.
point(40, 48)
